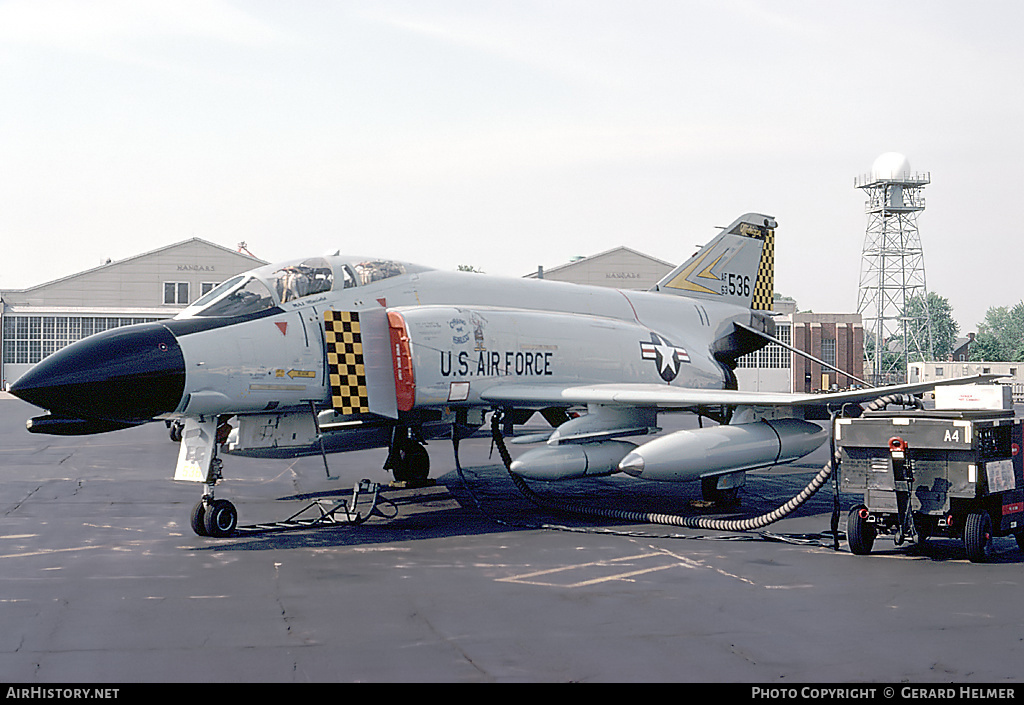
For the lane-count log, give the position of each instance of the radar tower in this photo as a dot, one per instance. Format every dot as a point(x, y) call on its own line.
point(892, 270)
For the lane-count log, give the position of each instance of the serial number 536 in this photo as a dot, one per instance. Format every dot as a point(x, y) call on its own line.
point(735, 284)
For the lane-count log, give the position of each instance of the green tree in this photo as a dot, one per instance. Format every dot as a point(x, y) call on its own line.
point(944, 329)
point(1001, 335)
point(892, 358)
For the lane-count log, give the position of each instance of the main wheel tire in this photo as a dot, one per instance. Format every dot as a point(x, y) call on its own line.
point(413, 464)
point(198, 519)
point(710, 493)
point(221, 518)
point(978, 536)
point(859, 533)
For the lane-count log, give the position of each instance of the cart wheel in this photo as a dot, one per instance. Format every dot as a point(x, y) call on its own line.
point(925, 528)
point(978, 536)
point(859, 533)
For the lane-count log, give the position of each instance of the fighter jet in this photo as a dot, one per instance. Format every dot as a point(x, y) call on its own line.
point(336, 353)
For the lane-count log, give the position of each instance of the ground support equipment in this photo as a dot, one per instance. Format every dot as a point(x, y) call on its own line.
point(951, 473)
point(329, 512)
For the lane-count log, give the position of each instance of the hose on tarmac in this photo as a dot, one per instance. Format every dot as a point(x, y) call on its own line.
point(692, 522)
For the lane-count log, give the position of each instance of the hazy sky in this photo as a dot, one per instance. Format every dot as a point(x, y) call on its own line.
point(510, 134)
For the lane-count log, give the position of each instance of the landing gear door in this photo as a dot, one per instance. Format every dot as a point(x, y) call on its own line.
point(359, 367)
point(197, 452)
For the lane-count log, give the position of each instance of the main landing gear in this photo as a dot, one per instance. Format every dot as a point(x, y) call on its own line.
point(408, 459)
point(722, 490)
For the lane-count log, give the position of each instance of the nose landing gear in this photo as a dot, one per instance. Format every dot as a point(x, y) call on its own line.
point(218, 518)
point(198, 462)
point(214, 517)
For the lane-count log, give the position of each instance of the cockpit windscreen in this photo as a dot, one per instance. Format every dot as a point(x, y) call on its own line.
point(251, 297)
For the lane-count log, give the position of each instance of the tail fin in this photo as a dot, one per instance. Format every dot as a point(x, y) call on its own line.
point(737, 266)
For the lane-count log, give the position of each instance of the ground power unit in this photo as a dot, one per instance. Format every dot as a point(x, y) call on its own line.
point(955, 473)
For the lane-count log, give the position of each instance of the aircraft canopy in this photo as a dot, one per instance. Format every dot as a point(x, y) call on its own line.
point(276, 284)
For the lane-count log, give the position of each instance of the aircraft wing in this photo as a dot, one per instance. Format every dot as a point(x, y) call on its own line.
point(664, 396)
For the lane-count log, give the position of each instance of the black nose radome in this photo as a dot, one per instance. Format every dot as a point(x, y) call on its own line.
point(126, 375)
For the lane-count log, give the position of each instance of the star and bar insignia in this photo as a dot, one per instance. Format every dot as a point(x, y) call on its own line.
point(666, 356)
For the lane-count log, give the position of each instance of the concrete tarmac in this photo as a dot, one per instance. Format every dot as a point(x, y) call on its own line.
point(103, 581)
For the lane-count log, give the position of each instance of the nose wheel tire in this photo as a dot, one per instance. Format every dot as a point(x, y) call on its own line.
point(219, 518)
point(198, 519)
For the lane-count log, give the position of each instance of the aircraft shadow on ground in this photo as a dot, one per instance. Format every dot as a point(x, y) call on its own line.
point(451, 508)
point(488, 503)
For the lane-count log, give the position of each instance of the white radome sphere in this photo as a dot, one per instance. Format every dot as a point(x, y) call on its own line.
point(891, 165)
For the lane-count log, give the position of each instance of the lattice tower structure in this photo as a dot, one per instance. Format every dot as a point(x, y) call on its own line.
point(892, 272)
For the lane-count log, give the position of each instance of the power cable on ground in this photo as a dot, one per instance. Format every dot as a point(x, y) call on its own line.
point(743, 526)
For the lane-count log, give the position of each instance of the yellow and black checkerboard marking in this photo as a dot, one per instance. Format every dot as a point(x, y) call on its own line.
point(764, 286)
point(345, 362)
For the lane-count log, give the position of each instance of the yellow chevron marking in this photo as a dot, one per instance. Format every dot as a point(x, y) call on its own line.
point(706, 273)
point(681, 280)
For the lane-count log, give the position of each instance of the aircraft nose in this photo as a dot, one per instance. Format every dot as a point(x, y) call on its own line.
point(128, 374)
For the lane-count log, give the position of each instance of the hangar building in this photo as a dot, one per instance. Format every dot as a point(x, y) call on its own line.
point(620, 268)
point(38, 321)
